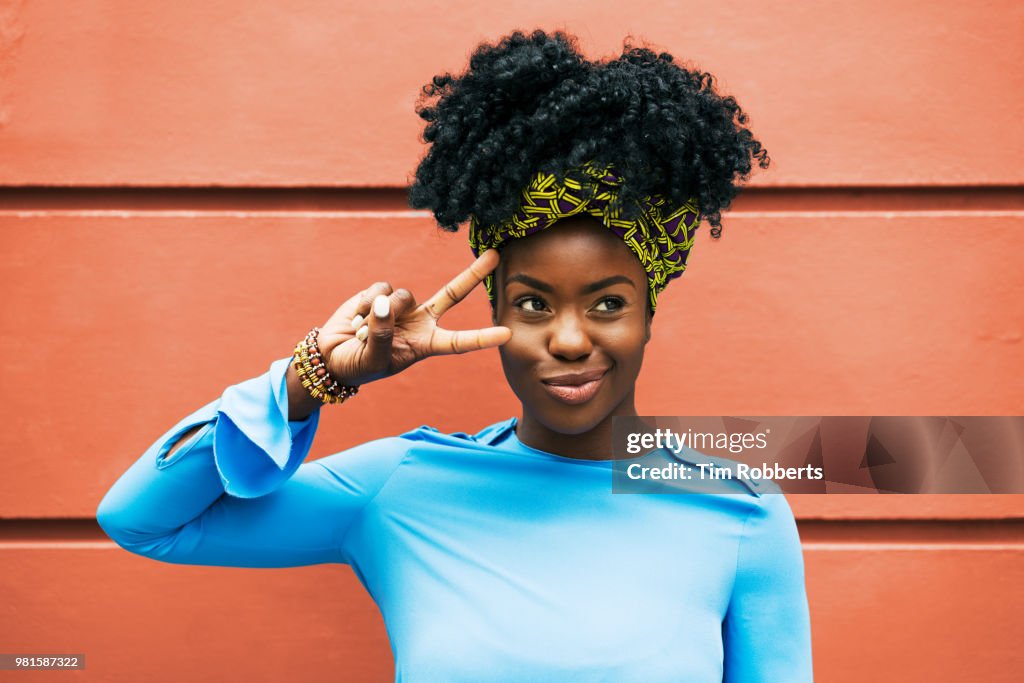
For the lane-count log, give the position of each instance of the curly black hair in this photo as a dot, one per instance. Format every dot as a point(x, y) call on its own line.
point(532, 103)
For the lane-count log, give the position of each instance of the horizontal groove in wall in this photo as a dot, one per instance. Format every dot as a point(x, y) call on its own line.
point(22, 533)
point(323, 199)
point(925, 531)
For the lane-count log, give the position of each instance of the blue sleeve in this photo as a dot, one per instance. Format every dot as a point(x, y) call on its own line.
point(238, 493)
point(766, 632)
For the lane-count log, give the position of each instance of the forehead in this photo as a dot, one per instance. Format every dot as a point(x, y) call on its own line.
point(574, 248)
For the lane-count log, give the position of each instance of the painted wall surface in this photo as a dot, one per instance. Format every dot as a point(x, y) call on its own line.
point(164, 167)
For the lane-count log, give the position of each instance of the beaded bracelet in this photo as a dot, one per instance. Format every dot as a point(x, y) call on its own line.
point(310, 367)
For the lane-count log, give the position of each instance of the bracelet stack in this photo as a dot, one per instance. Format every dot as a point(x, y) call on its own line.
point(311, 369)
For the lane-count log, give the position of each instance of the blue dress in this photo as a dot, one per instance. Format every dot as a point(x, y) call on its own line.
point(489, 560)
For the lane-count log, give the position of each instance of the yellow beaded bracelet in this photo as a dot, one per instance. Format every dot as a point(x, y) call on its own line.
point(312, 371)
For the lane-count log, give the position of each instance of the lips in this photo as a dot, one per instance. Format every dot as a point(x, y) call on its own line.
point(576, 378)
point(575, 388)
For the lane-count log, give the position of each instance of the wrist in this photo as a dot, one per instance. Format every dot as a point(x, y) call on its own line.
point(309, 379)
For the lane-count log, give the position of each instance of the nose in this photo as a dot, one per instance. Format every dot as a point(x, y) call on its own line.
point(569, 338)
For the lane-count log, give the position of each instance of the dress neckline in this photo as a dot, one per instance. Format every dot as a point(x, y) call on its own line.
point(507, 436)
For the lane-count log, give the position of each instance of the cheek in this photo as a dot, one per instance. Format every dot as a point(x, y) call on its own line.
point(521, 349)
point(623, 338)
point(627, 347)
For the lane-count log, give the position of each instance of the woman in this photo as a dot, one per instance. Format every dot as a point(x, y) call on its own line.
point(503, 555)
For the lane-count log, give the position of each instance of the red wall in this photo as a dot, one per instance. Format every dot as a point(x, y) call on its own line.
point(163, 165)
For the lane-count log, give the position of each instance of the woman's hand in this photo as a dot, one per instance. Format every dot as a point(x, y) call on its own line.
point(400, 331)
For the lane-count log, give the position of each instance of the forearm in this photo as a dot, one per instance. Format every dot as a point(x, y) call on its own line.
point(241, 444)
point(301, 405)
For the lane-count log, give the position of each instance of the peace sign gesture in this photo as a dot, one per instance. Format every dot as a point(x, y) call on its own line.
point(398, 332)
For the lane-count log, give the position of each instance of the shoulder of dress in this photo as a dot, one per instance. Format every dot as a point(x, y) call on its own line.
point(493, 433)
point(485, 436)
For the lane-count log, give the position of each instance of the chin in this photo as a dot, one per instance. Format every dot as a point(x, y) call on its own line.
point(571, 419)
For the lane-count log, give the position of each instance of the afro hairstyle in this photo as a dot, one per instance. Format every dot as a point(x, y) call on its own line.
point(532, 103)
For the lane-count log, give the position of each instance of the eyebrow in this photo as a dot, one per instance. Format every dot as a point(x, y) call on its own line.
point(592, 287)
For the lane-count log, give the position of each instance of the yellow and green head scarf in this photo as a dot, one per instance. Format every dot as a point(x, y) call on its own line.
point(661, 236)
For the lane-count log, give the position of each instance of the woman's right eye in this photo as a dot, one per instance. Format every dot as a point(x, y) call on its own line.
point(519, 302)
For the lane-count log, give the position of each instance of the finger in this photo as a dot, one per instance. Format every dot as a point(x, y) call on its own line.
point(402, 301)
point(381, 331)
point(345, 312)
point(444, 342)
point(366, 298)
point(463, 283)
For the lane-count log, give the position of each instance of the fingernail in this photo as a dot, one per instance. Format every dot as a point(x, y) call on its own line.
point(362, 333)
point(357, 321)
point(381, 306)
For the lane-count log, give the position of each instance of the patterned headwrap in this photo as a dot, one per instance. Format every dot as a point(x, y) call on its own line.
point(661, 236)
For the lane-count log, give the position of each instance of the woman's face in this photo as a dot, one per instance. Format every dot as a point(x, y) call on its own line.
point(575, 298)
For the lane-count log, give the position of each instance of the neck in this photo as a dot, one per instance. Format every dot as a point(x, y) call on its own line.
point(593, 444)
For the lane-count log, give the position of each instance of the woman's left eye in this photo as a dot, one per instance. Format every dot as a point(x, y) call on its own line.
point(615, 301)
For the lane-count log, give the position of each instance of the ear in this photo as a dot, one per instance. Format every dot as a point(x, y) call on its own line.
point(647, 325)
